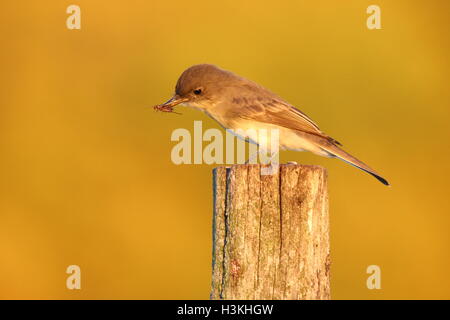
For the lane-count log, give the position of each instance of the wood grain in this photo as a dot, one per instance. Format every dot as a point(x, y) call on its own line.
point(270, 233)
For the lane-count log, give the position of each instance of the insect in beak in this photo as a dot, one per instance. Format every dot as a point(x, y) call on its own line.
point(170, 104)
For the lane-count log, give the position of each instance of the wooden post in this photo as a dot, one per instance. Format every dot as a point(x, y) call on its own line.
point(270, 233)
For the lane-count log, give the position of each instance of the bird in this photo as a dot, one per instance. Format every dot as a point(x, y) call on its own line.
point(237, 103)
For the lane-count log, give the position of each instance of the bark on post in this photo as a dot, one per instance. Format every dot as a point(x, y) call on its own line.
point(270, 233)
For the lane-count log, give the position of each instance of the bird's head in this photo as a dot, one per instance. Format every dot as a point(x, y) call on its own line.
point(200, 86)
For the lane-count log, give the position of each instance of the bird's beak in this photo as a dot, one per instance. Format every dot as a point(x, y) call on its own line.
point(175, 100)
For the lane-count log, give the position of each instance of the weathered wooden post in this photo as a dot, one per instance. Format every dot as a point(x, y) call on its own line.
point(270, 233)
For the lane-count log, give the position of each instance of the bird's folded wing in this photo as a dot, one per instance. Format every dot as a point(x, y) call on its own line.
point(280, 113)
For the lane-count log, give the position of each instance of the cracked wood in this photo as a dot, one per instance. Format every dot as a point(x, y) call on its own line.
point(270, 233)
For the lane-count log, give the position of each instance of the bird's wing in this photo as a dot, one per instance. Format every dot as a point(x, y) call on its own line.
point(278, 112)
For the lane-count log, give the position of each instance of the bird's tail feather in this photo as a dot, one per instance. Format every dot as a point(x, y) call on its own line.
point(335, 151)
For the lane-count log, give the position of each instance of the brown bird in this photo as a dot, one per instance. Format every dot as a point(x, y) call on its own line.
point(240, 104)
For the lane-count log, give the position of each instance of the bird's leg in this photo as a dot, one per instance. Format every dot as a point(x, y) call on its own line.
point(274, 165)
point(252, 157)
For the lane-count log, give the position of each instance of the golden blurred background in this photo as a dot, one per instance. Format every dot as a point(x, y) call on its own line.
point(86, 175)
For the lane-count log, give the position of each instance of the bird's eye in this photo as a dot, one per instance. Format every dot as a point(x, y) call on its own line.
point(197, 91)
